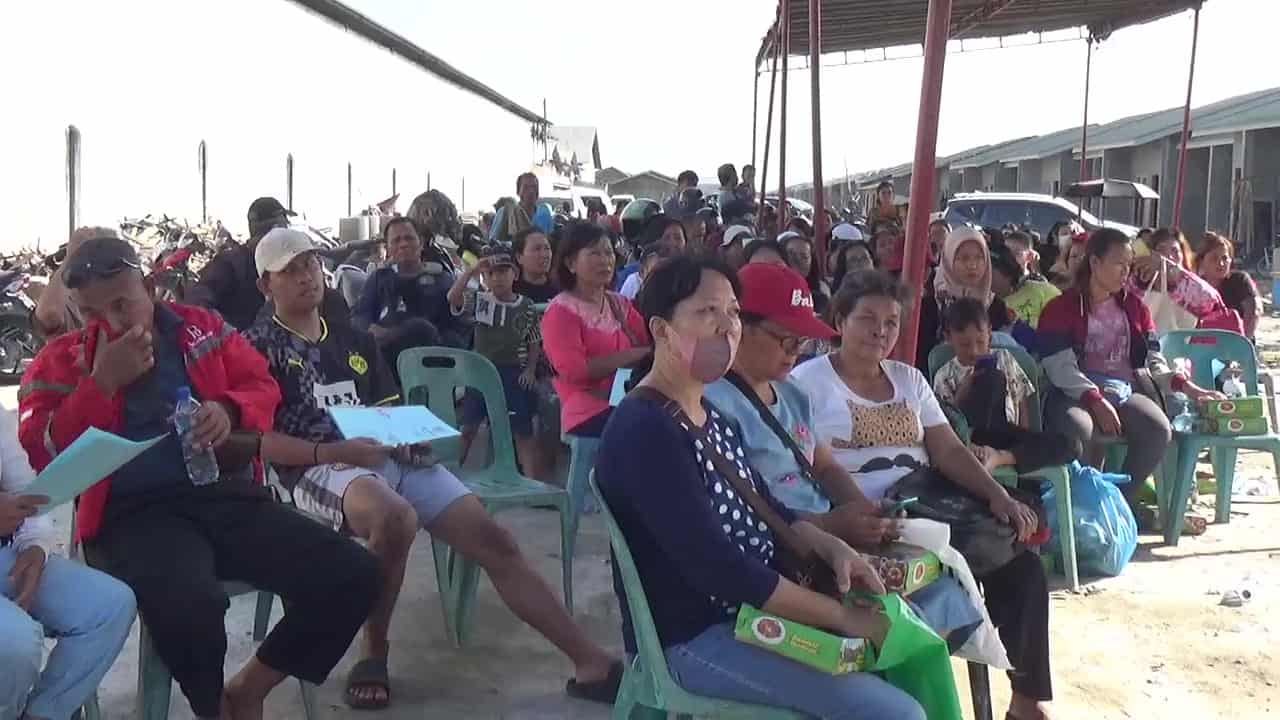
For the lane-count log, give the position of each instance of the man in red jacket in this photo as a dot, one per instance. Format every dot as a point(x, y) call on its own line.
point(171, 540)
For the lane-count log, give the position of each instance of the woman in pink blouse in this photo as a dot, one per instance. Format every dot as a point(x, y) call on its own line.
point(588, 331)
point(1166, 272)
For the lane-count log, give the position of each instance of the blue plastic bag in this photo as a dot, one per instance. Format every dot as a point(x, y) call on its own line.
point(1106, 532)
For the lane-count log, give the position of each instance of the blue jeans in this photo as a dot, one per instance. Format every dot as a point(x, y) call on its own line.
point(945, 606)
point(88, 612)
point(716, 665)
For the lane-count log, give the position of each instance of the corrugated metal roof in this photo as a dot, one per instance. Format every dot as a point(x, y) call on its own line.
point(1260, 109)
point(849, 25)
point(1037, 146)
point(579, 141)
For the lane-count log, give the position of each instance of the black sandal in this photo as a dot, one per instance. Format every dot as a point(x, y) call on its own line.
point(601, 691)
point(370, 673)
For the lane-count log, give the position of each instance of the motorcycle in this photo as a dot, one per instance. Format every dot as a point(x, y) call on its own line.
point(18, 343)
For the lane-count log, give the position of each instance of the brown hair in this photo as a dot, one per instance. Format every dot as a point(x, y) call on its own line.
point(1165, 234)
point(1208, 243)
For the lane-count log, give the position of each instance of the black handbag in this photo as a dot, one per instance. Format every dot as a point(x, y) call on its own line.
point(794, 558)
point(986, 543)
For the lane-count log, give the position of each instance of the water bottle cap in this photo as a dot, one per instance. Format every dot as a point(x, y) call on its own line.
point(183, 393)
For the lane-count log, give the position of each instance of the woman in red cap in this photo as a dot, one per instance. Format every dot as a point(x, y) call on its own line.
point(776, 424)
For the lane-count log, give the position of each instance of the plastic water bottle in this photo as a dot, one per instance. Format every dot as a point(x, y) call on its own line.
point(1183, 419)
point(202, 466)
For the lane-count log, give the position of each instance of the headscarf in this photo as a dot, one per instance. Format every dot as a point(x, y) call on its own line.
point(946, 282)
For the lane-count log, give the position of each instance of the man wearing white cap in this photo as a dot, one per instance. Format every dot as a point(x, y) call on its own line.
point(376, 492)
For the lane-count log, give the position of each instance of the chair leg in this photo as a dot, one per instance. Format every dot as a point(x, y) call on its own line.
point(91, 710)
point(467, 579)
point(980, 690)
point(308, 699)
point(1224, 469)
point(1178, 491)
point(155, 684)
point(1066, 526)
point(444, 583)
point(568, 543)
point(262, 616)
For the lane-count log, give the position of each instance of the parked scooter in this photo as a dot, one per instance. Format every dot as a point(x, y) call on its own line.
point(18, 342)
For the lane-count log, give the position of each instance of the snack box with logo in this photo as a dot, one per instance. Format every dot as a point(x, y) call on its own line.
point(1237, 426)
point(816, 648)
point(904, 568)
point(1243, 407)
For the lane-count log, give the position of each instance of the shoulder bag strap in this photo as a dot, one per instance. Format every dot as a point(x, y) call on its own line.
point(783, 532)
point(772, 421)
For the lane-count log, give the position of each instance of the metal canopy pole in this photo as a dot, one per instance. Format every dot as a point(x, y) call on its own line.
point(819, 194)
point(73, 179)
point(202, 159)
point(288, 181)
point(922, 175)
point(768, 132)
point(755, 112)
point(1084, 126)
point(1176, 218)
point(782, 118)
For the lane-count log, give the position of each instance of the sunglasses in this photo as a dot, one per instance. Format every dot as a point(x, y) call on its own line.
point(79, 274)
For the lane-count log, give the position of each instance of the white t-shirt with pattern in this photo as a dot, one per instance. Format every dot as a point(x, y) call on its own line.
point(877, 442)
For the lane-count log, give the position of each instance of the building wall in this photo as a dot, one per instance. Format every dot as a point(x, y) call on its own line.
point(1219, 189)
point(989, 174)
point(1007, 179)
point(1262, 173)
point(1194, 202)
point(1030, 176)
point(643, 186)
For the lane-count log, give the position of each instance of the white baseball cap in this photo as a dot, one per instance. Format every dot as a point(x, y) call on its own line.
point(847, 232)
point(735, 232)
point(279, 247)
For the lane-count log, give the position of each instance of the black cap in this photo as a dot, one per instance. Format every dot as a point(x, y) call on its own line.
point(498, 255)
point(97, 259)
point(265, 208)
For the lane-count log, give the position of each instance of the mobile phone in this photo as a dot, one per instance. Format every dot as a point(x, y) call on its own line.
point(986, 362)
point(903, 504)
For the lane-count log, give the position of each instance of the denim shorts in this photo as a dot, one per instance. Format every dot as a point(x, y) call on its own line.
point(522, 404)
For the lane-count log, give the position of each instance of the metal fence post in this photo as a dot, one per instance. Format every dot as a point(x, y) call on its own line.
point(348, 189)
point(393, 181)
point(288, 180)
point(73, 179)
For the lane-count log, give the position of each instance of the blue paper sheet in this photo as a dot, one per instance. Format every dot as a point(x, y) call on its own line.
point(93, 456)
point(398, 425)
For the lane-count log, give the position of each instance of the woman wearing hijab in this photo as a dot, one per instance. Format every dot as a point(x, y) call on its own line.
point(965, 272)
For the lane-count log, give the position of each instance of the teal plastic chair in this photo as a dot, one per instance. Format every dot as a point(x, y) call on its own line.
point(1202, 348)
point(648, 692)
point(1056, 475)
point(437, 372)
point(155, 684)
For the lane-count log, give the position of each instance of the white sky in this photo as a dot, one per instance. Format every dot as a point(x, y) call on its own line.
point(667, 83)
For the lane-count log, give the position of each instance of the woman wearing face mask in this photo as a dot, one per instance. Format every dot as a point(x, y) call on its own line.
point(883, 422)
point(588, 332)
point(699, 549)
point(1100, 352)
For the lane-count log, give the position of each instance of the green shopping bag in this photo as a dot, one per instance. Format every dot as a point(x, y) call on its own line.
point(915, 660)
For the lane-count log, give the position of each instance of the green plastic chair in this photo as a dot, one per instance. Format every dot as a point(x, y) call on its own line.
point(437, 372)
point(648, 692)
point(1056, 475)
point(1202, 348)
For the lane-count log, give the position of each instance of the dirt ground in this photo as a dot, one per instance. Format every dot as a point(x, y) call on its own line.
point(1152, 643)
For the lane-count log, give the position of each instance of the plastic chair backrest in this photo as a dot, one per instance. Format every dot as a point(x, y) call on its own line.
point(438, 371)
point(1202, 347)
point(652, 659)
point(943, 353)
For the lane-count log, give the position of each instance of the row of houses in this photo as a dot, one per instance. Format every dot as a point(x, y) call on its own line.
point(1232, 168)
